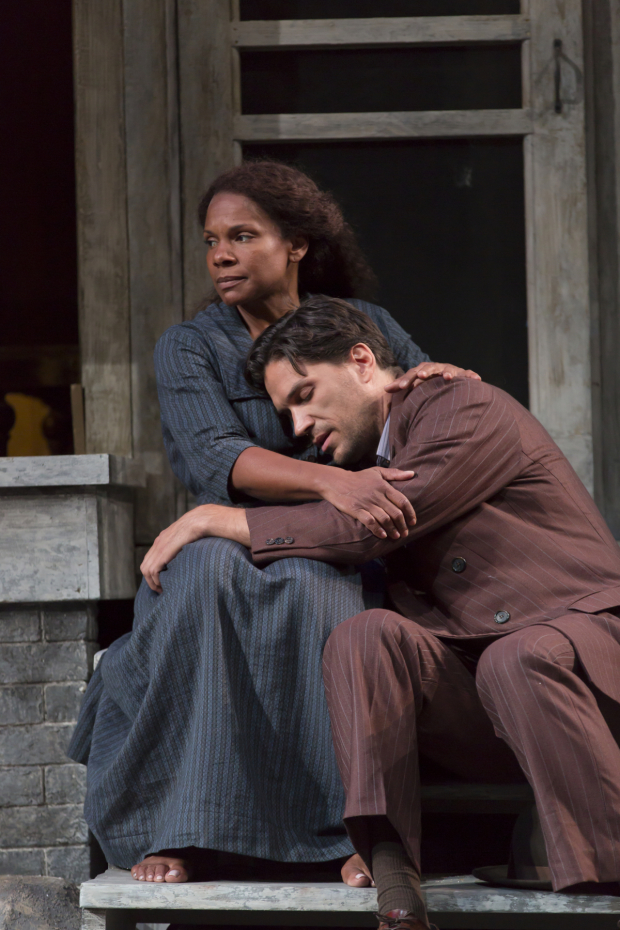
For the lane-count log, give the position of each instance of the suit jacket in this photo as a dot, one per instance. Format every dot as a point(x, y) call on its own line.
point(506, 536)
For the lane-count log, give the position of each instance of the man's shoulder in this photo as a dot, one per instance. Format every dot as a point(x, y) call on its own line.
point(438, 409)
point(448, 395)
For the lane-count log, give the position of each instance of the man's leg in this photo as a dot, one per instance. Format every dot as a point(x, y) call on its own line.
point(531, 686)
point(394, 689)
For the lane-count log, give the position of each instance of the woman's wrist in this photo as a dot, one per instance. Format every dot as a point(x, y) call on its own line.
point(325, 479)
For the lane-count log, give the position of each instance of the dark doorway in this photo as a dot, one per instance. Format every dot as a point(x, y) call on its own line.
point(442, 222)
point(39, 355)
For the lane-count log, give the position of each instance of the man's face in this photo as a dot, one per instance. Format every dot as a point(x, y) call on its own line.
point(336, 405)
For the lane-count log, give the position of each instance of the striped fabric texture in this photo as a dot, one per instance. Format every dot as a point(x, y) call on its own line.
point(395, 690)
point(511, 557)
point(207, 725)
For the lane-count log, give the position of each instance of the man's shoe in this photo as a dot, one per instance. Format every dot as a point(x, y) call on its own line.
point(402, 920)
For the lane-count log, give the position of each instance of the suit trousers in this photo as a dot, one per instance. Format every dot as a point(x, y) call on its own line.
point(396, 691)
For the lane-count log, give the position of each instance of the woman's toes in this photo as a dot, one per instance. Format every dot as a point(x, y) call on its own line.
point(177, 873)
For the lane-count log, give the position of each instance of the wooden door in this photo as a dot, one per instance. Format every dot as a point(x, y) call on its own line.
point(178, 118)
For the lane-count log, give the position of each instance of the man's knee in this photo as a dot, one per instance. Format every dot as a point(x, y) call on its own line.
point(365, 636)
point(523, 653)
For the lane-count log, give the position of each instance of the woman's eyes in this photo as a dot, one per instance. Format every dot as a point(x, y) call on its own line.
point(241, 237)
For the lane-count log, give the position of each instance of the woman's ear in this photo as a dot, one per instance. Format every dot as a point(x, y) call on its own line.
point(299, 247)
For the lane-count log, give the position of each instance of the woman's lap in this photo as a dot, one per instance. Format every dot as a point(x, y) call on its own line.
point(209, 724)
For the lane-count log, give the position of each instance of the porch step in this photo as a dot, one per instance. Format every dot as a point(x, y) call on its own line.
point(454, 903)
point(462, 798)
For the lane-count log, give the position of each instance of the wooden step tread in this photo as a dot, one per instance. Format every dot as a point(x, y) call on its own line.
point(476, 798)
point(460, 895)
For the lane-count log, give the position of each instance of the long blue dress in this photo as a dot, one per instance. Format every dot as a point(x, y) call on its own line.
point(207, 725)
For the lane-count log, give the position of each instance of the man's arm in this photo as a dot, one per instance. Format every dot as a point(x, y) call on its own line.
point(464, 445)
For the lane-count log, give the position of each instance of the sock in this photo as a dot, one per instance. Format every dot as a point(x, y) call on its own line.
point(397, 880)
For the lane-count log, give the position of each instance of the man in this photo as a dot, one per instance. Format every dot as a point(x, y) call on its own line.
point(509, 564)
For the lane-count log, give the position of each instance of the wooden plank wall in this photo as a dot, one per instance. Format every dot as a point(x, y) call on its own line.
point(154, 225)
point(602, 72)
point(556, 215)
point(102, 225)
point(206, 115)
point(152, 131)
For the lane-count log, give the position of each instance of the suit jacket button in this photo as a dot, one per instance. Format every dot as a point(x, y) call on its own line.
point(269, 542)
point(502, 616)
point(278, 540)
point(312, 458)
point(289, 540)
point(459, 565)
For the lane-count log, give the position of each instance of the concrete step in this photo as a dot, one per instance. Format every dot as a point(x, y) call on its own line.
point(454, 903)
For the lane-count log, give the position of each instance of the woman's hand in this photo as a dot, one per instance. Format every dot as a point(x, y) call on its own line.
point(204, 520)
point(427, 370)
point(190, 527)
point(369, 497)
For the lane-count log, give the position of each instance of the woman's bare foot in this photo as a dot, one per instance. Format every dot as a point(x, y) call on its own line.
point(355, 873)
point(162, 868)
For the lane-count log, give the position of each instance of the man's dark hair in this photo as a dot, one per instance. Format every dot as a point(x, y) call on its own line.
point(321, 329)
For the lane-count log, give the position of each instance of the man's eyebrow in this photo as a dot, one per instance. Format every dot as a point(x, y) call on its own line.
point(294, 389)
point(289, 396)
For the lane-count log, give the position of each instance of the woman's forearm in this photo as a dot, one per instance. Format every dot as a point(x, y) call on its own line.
point(269, 476)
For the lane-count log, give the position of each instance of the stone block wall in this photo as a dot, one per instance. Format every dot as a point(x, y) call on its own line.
point(45, 661)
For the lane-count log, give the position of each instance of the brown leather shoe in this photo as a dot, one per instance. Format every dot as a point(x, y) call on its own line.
point(402, 920)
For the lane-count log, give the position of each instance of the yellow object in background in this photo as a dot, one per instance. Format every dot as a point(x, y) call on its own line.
point(26, 436)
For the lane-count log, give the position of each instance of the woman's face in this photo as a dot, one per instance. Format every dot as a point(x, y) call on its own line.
point(247, 258)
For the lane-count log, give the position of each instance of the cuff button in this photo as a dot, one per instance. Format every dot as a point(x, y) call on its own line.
point(289, 540)
point(502, 616)
point(278, 540)
point(269, 542)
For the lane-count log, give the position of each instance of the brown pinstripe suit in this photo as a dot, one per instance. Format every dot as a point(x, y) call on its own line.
point(538, 592)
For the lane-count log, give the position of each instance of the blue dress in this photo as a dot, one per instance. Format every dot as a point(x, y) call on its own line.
point(207, 724)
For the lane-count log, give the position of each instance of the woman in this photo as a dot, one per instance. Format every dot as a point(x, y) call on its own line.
point(206, 727)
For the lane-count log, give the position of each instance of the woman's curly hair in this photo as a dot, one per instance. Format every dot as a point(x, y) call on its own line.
point(334, 263)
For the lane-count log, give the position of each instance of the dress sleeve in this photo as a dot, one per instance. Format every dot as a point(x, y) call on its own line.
point(202, 434)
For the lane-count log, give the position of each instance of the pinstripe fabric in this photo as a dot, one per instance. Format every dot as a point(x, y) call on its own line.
point(207, 725)
point(395, 690)
point(534, 692)
point(492, 488)
point(209, 412)
point(536, 569)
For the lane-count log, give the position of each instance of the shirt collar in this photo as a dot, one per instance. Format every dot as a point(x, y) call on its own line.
point(383, 449)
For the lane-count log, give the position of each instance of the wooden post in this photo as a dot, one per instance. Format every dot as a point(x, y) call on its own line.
point(557, 242)
point(154, 225)
point(602, 71)
point(102, 224)
point(206, 109)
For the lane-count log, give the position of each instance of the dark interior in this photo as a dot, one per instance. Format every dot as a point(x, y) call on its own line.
point(370, 80)
point(38, 291)
point(442, 223)
point(343, 9)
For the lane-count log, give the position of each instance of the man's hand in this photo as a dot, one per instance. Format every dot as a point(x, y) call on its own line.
point(369, 497)
point(205, 520)
point(427, 370)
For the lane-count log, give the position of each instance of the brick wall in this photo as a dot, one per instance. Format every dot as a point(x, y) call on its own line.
point(45, 660)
